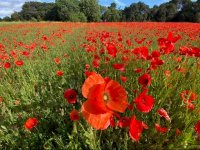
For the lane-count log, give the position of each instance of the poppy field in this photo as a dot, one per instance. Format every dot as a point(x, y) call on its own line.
point(99, 85)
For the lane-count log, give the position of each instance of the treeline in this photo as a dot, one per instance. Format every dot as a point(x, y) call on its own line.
point(91, 11)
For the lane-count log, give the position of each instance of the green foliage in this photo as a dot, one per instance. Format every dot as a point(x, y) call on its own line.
point(112, 14)
point(68, 10)
point(136, 12)
point(35, 10)
point(91, 9)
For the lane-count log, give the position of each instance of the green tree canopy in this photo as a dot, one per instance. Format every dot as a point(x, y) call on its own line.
point(91, 9)
point(112, 14)
point(136, 12)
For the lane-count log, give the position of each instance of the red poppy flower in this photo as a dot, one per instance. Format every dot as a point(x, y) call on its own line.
point(145, 79)
point(136, 128)
point(70, 95)
point(178, 132)
point(74, 115)
point(57, 60)
point(59, 73)
point(197, 128)
point(167, 44)
point(87, 66)
point(119, 67)
point(31, 123)
point(123, 122)
point(124, 79)
point(144, 102)
point(7, 65)
point(112, 50)
point(167, 73)
point(26, 53)
point(1, 99)
point(160, 129)
point(188, 97)
point(138, 70)
point(163, 113)
point(112, 122)
point(19, 63)
point(155, 54)
point(96, 63)
point(104, 97)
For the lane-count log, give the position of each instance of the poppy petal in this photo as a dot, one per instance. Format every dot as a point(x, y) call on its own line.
point(92, 80)
point(95, 103)
point(136, 129)
point(99, 121)
point(117, 96)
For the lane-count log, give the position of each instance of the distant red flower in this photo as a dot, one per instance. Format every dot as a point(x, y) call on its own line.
point(96, 63)
point(57, 60)
point(136, 128)
point(44, 47)
point(112, 50)
point(31, 123)
point(128, 42)
point(119, 67)
point(59, 73)
point(123, 122)
point(26, 53)
point(188, 97)
point(140, 41)
point(124, 79)
point(1, 99)
point(88, 73)
point(163, 113)
point(19, 63)
point(144, 102)
point(87, 66)
point(70, 95)
point(130, 107)
point(74, 115)
point(178, 132)
point(138, 70)
point(197, 128)
point(144, 80)
point(7, 65)
point(157, 62)
point(167, 44)
point(167, 73)
point(155, 54)
point(161, 129)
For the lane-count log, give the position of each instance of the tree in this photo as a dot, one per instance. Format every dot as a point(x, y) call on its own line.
point(153, 12)
point(69, 10)
point(16, 16)
point(166, 12)
point(91, 9)
point(136, 12)
point(186, 12)
point(35, 10)
point(6, 18)
point(112, 14)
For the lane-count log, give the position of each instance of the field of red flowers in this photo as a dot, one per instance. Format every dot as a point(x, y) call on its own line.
point(99, 86)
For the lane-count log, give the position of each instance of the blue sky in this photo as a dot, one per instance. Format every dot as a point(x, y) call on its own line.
point(7, 7)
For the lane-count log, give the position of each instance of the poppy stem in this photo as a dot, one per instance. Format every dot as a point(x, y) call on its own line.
point(82, 127)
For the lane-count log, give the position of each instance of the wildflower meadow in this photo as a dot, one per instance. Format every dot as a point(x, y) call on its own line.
point(99, 86)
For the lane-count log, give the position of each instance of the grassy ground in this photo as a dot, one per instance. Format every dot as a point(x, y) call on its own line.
point(35, 90)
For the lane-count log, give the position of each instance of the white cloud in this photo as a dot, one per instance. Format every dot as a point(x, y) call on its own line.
point(8, 7)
